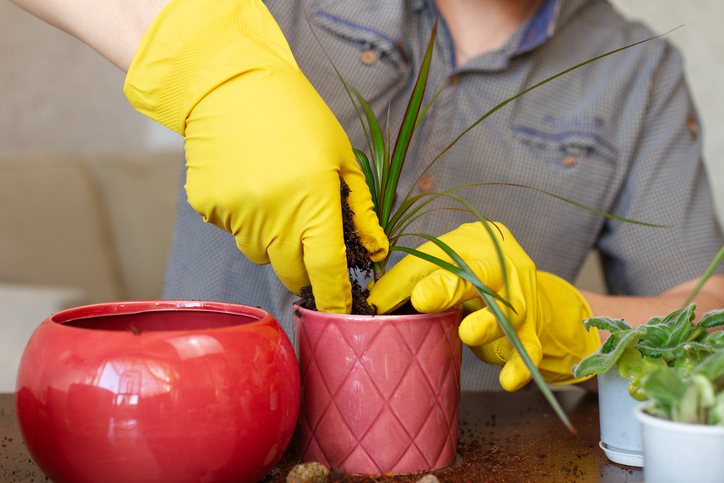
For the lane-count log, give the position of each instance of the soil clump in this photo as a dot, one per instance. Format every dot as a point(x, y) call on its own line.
point(358, 261)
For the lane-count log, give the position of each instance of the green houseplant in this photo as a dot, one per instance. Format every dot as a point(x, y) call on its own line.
point(683, 423)
point(382, 173)
point(630, 354)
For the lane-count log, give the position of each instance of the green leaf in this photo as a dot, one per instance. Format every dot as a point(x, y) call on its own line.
point(714, 341)
point(633, 366)
point(599, 362)
point(378, 142)
point(606, 323)
point(712, 367)
point(389, 184)
point(679, 350)
point(686, 348)
point(684, 366)
point(707, 274)
point(369, 177)
point(609, 344)
point(716, 412)
point(664, 387)
point(699, 396)
point(429, 104)
point(712, 319)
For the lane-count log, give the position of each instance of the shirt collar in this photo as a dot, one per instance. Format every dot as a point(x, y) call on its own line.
point(541, 26)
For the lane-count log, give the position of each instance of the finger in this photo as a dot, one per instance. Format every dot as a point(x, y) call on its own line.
point(371, 234)
point(515, 373)
point(325, 258)
point(481, 327)
point(256, 253)
point(288, 264)
point(495, 353)
point(442, 289)
point(395, 287)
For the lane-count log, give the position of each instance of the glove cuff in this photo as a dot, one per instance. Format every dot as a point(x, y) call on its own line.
point(570, 309)
point(191, 47)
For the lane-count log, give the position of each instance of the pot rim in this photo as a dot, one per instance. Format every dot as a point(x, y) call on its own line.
point(383, 317)
point(674, 426)
point(130, 307)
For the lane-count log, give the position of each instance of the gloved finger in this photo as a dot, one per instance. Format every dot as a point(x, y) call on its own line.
point(481, 327)
point(256, 253)
point(325, 260)
point(515, 373)
point(370, 233)
point(287, 263)
point(395, 287)
point(442, 289)
point(495, 353)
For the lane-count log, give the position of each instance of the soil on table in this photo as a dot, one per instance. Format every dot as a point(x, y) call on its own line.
point(358, 262)
point(480, 459)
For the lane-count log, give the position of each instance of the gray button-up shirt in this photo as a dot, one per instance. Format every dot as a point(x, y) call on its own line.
point(616, 135)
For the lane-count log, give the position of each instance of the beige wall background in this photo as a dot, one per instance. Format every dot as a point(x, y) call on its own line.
point(59, 96)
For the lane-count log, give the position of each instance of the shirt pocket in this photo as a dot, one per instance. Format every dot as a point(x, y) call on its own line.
point(366, 38)
point(577, 164)
point(360, 41)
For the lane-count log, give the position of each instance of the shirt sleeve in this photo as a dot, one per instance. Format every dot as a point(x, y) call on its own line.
point(666, 184)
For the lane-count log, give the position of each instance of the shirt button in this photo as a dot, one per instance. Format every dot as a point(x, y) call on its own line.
point(453, 79)
point(693, 126)
point(369, 57)
point(425, 183)
point(569, 161)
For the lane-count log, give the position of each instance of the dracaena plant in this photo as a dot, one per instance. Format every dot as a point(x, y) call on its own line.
point(673, 341)
point(382, 174)
point(694, 398)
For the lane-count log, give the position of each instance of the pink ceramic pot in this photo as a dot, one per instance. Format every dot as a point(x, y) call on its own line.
point(379, 394)
point(162, 391)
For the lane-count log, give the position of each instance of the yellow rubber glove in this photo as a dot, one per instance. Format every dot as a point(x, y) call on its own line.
point(548, 310)
point(263, 151)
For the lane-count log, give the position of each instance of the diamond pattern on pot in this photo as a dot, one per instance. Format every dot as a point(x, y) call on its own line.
point(379, 394)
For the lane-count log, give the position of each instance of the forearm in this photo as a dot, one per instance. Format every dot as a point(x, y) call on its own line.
point(113, 28)
point(637, 310)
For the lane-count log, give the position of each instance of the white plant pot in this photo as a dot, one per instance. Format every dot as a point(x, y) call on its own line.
point(620, 431)
point(680, 452)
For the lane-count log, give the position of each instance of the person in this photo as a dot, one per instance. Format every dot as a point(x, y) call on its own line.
point(269, 129)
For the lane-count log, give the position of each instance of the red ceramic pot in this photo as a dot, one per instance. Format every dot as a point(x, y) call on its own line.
point(379, 393)
point(162, 391)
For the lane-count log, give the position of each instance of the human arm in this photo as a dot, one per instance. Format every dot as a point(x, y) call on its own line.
point(638, 310)
point(113, 28)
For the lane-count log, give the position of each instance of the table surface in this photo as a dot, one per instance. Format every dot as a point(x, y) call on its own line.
point(505, 436)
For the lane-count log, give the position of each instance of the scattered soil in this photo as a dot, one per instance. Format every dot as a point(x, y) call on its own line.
point(358, 261)
point(480, 459)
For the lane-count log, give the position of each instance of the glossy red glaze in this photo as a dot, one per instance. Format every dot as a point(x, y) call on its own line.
point(162, 391)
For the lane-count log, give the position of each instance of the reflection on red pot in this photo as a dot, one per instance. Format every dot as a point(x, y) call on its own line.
point(158, 391)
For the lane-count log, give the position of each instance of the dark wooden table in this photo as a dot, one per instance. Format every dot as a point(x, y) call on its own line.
point(508, 437)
